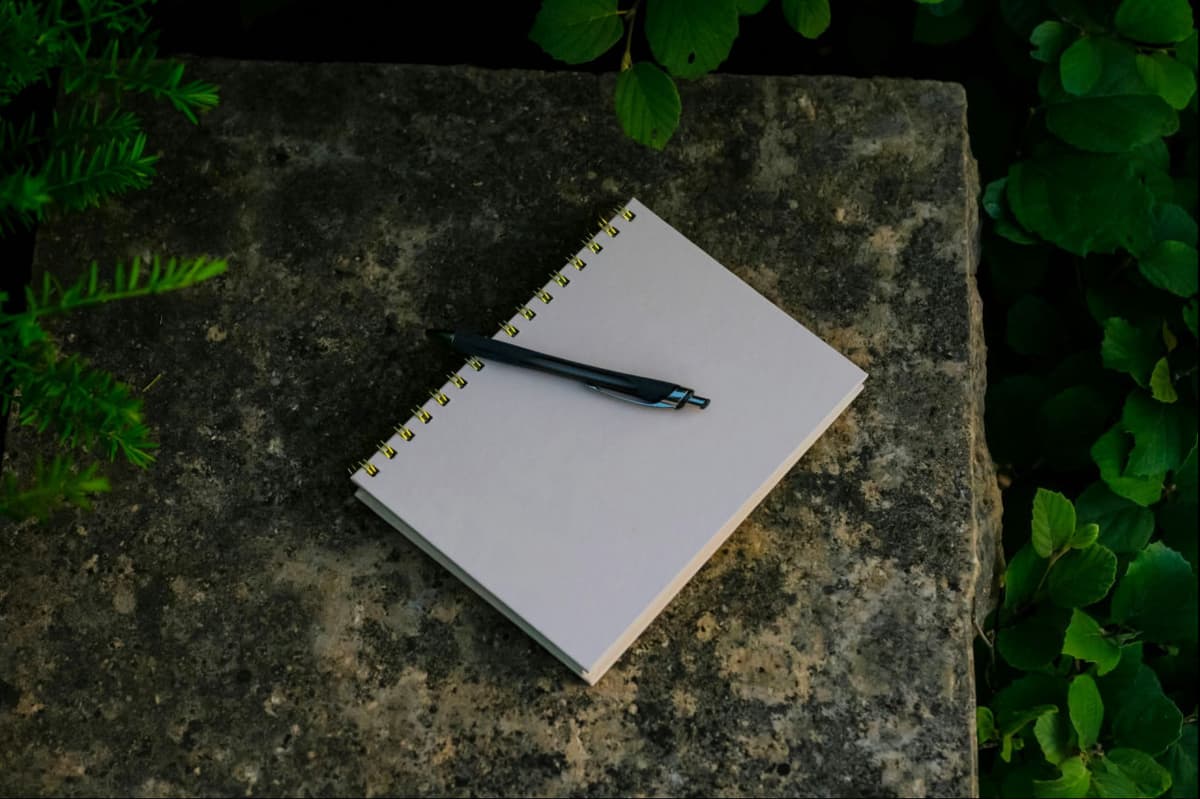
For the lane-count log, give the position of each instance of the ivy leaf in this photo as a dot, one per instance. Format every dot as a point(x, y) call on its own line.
point(1155, 21)
point(647, 104)
point(1080, 66)
point(1125, 527)
point(1082, 576)
point(1150, 778)
point(1117, 113)
point(1110, 453)
point(1146, 718)
point(1168, 78)
point(1109, 781)
point(1172, 266)
point(1023, 576)
point(1162, 434)
point(1172, 222)
point(1130, 349)
point(1035, 640)
point(1178, 515)
point(576, 31)
point(1072, 783)
point(1086, 708)
point(809, 18)
point(1048, 40)
point(1083, 202)
point(1086, 640)
point(1180, 761)
point(1157, 595)
point(1053, 522)
point(1056, 737)
point(748, 7)
point(1085, 535)
point(1161, 387)
point(1026, 698)
point(691, 38)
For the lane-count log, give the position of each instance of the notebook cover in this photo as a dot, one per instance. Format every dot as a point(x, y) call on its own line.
point(579, 516)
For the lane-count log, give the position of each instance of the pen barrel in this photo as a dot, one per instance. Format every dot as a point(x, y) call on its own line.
point(645, 388)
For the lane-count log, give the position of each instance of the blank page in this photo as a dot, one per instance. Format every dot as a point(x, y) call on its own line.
point(579, 515)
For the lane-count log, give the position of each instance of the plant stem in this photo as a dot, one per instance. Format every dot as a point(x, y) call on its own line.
point(630, 18)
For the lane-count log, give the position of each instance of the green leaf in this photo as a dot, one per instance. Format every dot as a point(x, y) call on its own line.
point(1082, 576)
point(1053, 522)
point(1146, 718)
point(1168, 78)
point(809, 18)
point(1155, 21)
point(997, 209)
point(1071, 784)
point(1150, 778)
point(1185, 478)
point(576, 31)
point(1157, 595)
point(1080, 66)
point(1189, 315)
point(1082, 202)
point(1087, 710)
point(1026, 698)
point(1180, 761)
point(647, 104)
point(1035, 640)
point(1109, 781)
point(1085, 535)
point(1056, 737)
point(985, 726)
point(1086, 640)
point(1162, 434)
point(1161, 387)
point(1117, 113)
point(1110, 453)
point(1185, 51)
point(691, 38)
point(1130, 349)
point(748, 7)
point(1023, 576)
point(947, 22)
point(1125, 527)
point(1171, 266)
point(1172, 222)
point(1048, 40)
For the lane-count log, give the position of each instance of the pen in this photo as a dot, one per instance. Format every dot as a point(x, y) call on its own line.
point(631, 388)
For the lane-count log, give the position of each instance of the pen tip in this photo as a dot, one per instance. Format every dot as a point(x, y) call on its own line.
point(699, 402)
point(444, 335)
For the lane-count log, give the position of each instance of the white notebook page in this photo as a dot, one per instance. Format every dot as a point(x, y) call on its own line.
point(579, 515)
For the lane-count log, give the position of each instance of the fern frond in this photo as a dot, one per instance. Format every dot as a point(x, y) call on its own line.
point(82, 406)
point(139, 281)
point(78, 178)
point(141, 71)
point(60, 482)
point(23, 199)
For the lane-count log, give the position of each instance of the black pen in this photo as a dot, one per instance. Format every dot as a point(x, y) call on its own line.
point(631, 388)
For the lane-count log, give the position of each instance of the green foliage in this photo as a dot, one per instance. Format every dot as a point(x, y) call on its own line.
point(809, 18)
point(647, 104)
point(95, 52)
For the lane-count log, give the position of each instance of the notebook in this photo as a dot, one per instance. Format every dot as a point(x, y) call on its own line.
point(579, 516)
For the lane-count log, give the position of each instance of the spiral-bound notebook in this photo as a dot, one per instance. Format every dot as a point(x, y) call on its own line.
point(579, 516)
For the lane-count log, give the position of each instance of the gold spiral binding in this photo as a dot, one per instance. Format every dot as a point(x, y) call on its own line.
point(440, 397)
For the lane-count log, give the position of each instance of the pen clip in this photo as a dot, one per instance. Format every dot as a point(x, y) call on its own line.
point(674, 400)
